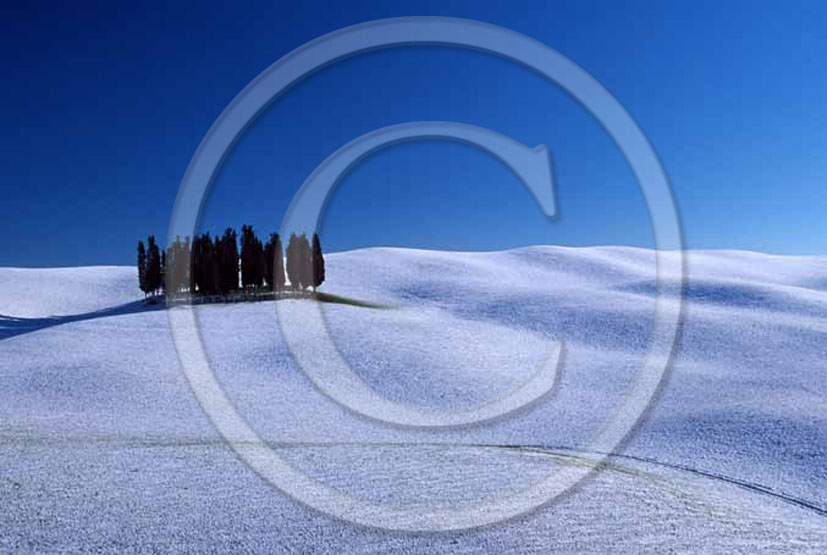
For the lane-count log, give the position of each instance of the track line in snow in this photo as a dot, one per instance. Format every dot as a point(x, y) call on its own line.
point(743, 484)
point(553, 451)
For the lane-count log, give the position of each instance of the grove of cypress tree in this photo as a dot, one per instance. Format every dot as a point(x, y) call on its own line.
point(211, 266)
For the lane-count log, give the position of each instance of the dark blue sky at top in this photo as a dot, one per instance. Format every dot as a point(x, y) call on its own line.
point(104, 105)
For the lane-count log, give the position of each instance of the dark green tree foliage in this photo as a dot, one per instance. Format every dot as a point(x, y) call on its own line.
point(299, 261)
point(268, 264)
point(196, 281)
point(204, 265)
point(162, 282)
point(153, 266)
point(317, 263)
point(191, 269)
point(170, 260)
point(248, 257)
point(215, 263)
point(142, 284)
point(261, 263)
point(185, 262)
point(227, 261)
point(257, 263)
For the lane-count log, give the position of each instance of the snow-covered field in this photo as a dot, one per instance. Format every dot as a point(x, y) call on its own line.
point(103, 447)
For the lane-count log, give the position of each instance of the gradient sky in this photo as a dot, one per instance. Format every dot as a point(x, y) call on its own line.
point(103, 107)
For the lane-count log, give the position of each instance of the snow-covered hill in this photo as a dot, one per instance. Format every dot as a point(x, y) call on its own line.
point(37, 293)
point(103, 447)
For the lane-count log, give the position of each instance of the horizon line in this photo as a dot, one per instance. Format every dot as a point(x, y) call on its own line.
point(481, 251)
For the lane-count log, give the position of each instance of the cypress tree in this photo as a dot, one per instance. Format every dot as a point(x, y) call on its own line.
point(172, 262)
point(293, 262)
point(185, 261)
point(305, 255)
point(217, 266)
point(196, 281)
point(278, 263)
point(268, 263)
point(175, 265)
point(259, 263)
point(317, 263)
point(142, 268)
point(162, 280)
point(248, 256)
point(192, 270)
point(227, 250)
point(207, 266)
point(211, 274)
point(204, 267)
point(153, 266)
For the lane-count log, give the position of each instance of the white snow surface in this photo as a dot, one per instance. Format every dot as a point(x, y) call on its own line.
point(36, 292)
point(103, 447)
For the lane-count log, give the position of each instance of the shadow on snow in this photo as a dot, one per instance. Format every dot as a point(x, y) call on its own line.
point(11, 326)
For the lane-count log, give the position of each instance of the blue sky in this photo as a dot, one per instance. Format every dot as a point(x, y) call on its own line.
point(104, 105)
